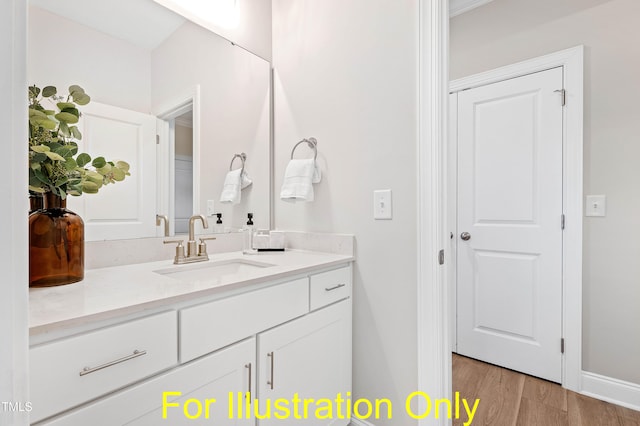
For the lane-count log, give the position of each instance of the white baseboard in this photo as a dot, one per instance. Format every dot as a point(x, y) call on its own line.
point(358, 422)
point(611, 390)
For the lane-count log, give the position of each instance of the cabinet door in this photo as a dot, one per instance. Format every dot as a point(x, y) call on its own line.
point(306, 358)
point(216, 376)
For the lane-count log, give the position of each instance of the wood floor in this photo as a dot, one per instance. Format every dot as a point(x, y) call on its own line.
point(508, 398)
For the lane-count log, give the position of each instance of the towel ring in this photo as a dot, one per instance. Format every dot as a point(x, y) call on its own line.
point(242, 157)
point(313, 144)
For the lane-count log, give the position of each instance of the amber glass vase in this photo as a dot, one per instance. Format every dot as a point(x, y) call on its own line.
point(56, 244)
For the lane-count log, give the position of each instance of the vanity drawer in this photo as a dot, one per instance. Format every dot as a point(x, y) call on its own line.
point(329, 287)
point(211, 326)
point(70, 371)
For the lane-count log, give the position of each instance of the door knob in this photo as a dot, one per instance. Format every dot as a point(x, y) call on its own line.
point(465, 236)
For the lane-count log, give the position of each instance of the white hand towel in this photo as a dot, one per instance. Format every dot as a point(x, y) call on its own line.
point(234, 182)
point(298, 180)
point(246, 180)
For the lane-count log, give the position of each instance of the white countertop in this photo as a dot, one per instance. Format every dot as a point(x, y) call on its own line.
point(110, 292)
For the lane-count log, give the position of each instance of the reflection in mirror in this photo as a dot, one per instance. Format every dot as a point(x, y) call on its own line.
point(183, 175)
point(138, 58)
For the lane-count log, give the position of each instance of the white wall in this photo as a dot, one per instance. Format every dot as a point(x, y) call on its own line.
point(13, 218)
point(346, 73)
point(235, 100)
point(62, 52)
point(507, 31)
point(254, 27)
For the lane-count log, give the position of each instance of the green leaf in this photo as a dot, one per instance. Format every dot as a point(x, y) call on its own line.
point(40, 148)
point(37, 189)
point(33, 180)
point(66, 117)
point(83, 159)
point(34, 91)
point(65, 105)
point(118, 175)
point(62, 194)
point(81, 98)
point(73, 148)
point(70, 164)
point(40, 119)
point(54, 156)
point(38, 157)
point(99, 162)
point(64, 130)
point(63, 151)
point(49, 91)
point(75, 133)
point(61, 181)
point(41, 177)
point(90, 187)
point(104, 170)
point(75, 88)
point(123, 165)
point(54, 146)
point(94, 177)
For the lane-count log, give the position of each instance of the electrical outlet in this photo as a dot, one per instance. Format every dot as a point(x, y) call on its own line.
point(382, 204)
point(211, 208)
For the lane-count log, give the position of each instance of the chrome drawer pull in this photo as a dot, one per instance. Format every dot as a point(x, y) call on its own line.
point(249, 391)
point(334, 288)
point(270, 382)
point(89, 370)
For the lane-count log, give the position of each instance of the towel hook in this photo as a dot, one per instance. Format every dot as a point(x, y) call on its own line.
point(313, 144)
point(242, 157)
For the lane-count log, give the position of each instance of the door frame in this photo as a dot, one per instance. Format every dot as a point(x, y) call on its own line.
point(572, 196)
point(167, 111)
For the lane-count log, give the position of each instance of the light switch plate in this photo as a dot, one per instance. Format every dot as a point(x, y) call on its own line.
point(596, 205)
point(382, 204)
point(211, 208)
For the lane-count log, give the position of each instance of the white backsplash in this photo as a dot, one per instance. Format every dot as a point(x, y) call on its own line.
point(104, 254)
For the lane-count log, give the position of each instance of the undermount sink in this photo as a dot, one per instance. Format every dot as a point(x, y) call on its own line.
point(212, 270)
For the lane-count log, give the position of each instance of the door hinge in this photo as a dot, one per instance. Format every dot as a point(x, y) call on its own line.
point(157, 139)
point(562, 220)
point(441, 257)
point(562, 345)
point(563, 96)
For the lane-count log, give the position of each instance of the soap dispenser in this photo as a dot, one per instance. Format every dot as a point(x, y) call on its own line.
point(248, 236)
point(218, 228)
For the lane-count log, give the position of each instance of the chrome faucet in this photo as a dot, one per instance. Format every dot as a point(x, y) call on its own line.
point(195, 252)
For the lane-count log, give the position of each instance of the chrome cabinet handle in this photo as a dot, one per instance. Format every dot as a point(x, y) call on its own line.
point(334, 288)
point(465, 236)
point(249, 391)
point(270, 382)
point(135, 354)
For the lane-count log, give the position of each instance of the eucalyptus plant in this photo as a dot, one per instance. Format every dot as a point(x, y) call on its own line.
point(54, 163)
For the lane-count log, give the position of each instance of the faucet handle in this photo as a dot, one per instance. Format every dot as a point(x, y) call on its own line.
point(202, 247)
point(179, 251)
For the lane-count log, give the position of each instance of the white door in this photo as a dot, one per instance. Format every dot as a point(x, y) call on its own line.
point(509, 242)
point(125, 209)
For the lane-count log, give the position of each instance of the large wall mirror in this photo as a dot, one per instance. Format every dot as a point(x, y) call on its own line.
point(174, 99)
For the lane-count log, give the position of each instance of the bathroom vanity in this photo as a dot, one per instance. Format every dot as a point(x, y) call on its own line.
point(150, 343)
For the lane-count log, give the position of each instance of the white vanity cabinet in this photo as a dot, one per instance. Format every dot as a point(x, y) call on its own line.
point(229, 370)
point(276, 341)
point(309, 358)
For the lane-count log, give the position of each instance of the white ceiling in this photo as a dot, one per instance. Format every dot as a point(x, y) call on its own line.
point(457, 7)
point(141, 22)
